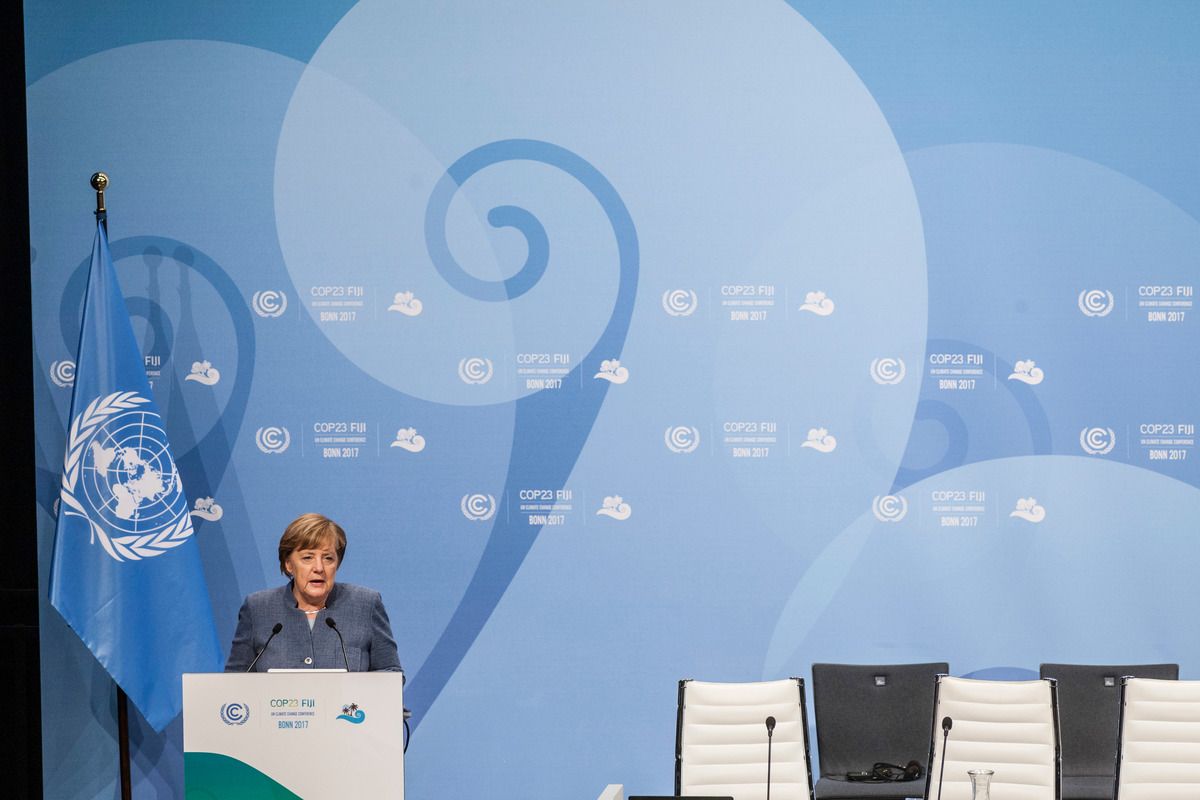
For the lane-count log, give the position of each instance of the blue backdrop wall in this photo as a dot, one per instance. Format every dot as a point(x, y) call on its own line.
point(639, 341)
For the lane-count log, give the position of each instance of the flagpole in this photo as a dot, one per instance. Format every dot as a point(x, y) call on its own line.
point(100, 183)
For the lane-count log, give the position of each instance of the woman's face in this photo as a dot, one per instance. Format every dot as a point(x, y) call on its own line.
point(313, 571)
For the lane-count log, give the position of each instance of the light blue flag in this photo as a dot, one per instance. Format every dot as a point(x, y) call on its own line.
point(126, 572)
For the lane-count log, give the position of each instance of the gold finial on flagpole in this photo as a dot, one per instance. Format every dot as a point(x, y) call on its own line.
point(99, 183)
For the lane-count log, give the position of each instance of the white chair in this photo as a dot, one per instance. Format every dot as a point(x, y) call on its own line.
point(1009, 727)
point(1158, 751)
point(721, 740)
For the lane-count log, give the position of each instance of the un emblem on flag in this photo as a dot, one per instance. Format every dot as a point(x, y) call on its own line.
point(120, 477)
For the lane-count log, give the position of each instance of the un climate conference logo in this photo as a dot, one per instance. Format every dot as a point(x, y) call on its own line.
point(63, 373)
point(679, 302)
point(475, 370)
point(1097, 441)
point(270, 303)
point(682, 439)
point(477, 507)
point(119, 476)
point(887, 370)
point(1095, 302)
point(235, 713)
point(889, 508)
point(272, 439)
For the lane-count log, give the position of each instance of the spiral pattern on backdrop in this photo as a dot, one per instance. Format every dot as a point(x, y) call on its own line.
point(511, 216)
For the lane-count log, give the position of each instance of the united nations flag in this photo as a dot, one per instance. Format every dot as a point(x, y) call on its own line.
point(126, 572)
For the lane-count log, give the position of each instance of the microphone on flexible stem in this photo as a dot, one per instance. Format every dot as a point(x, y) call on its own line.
point(947, 724)
point(770, 731)
point(278, 627)
point(329, 621)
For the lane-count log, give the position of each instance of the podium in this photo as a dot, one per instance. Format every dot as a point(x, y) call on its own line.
point(307, 735)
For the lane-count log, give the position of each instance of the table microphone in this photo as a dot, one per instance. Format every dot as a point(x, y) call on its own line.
point(278, 627)
point(770, 731)
point(947, 724)
point(329, 621)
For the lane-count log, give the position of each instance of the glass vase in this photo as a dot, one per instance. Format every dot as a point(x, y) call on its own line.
point(981, 783)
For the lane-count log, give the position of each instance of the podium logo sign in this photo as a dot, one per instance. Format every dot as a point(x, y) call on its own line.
point(352, 714)
point(235, 713)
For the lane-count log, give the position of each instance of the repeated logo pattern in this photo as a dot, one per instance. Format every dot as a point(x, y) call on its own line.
point(475, 370)
point(1026, 372)
point(889, 508)
point(612, 371)
point(615, 507)
point(887, 371)
point(478, 507)
point(1097, 441)
point(820, 440)
point(269, 303)
point(1095, 302)
point(817, 303)
point(204, 372)
point(682, 439)
point(63, 373)
point(679, 302)
point(408, 439)
point(1028, 509)
point(272, 439)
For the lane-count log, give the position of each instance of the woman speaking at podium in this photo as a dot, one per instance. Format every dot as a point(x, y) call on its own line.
point(311, 622)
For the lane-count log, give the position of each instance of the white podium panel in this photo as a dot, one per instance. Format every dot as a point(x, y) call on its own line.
point(316, 736)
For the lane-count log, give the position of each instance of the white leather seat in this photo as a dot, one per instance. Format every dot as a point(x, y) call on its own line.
point(1159, 745)
point(1010, 727)
point(721, 740)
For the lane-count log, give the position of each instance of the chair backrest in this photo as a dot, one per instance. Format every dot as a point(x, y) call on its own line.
point(1158, 752)
point(1089, 708)
point(721, 740)
point(867, 714)
point(1010, 727)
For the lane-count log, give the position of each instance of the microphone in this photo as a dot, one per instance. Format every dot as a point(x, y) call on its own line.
point(947, 724)
point(278, 627)
point(770, 731)
point(329, 621)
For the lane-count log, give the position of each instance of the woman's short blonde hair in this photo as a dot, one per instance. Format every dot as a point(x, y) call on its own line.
point(309, 531)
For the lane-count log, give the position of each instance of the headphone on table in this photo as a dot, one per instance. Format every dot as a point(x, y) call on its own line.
point(883, 772)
